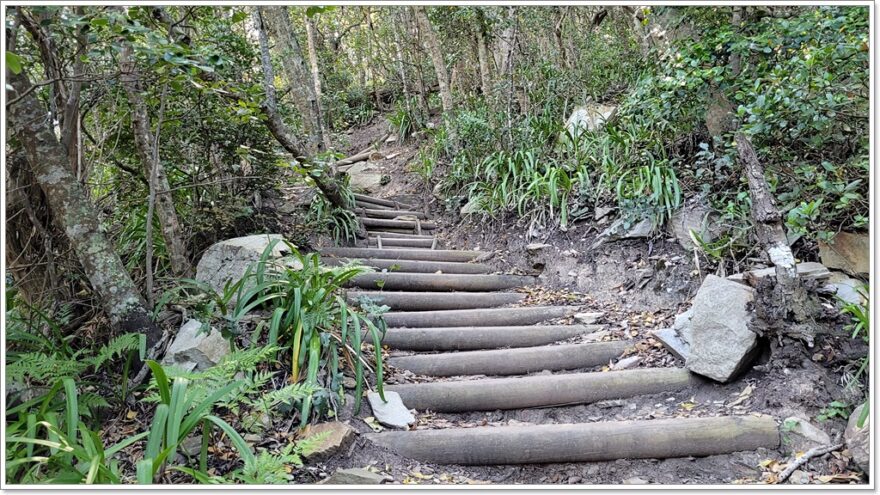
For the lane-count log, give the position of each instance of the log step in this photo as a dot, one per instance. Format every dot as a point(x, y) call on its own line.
point(528, 315)
point(584, 442)
point(432, 301)
point(409, 266)
point(381, 213)
point(402, 254)
point(438, 282)
point(397, 224)
point(379, 201)
point(373, 206)
point(410, 243)
point(511, 361)
point(394, 235)
point(390, 230)
point(540, 391)
point(476, 338)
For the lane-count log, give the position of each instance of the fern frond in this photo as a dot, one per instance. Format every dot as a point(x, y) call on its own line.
point(115, 348)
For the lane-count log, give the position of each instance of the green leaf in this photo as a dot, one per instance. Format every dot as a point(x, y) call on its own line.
point(239, 16)
point(72, 412)
point(13, 62)
point(243, 450)
point(145, 472)
point(161, 381)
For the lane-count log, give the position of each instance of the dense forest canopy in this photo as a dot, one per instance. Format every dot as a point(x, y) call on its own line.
point(140, 136)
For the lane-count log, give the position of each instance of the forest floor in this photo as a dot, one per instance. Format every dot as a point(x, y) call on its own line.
point(639, 286)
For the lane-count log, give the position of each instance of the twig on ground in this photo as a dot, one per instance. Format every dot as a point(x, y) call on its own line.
point(800, 461)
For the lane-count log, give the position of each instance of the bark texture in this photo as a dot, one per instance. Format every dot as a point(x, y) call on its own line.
point(433, 46)
point(144, 141)
point(75, 214)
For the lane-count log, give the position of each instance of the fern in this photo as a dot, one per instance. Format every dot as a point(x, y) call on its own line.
point(116, 348)
point(41, 367)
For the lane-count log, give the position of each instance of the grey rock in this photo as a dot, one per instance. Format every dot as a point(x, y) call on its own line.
point(194, 350)
point(845, 288)
point(354, 476)
point(617, 231)
point(697, 218)
point(588, 318)
point(799, 435)
point(721, 344)
point(336, 436)
point(858, 440)
point(635, 480)
point(366, 177)
point(228, 261)
point(673, 342)
point(641, 229)
point(626, 363)
point(470, 208)
point(848, 251)
point(589, 117)
point(799, 477)
point(536, 246)
point(393, 413)
point(601, 212)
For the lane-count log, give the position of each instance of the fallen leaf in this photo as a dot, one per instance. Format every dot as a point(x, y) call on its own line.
point(373, 424)
point(131, 414)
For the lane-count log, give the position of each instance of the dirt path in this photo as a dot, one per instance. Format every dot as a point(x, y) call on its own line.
point(629, 311)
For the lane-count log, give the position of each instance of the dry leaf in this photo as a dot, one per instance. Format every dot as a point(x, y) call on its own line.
point(131, 414)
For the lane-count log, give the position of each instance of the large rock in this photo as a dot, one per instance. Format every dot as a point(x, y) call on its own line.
point(721, 343)
point(354, 476)
point(227, 261)
point(589, 118)
point(335, 436)
point(858, 440)
point(846, 288)
point(366, 177)
point(678, 338)
point(799, 435)
point(848, 252)
point(194, 349)
point(393, 413)
point(697, 218)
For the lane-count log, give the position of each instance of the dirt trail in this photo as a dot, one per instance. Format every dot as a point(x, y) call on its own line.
point(637, 286)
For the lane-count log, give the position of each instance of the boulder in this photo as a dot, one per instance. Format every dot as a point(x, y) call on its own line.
point(336, 436)
point(673, 342)
point(799, 435)
point(194, 349)
point(354, 476)
point(227, 261)
point(366, 177)
point(393, 413)
point(845, 288)
point(721, 343)
point(858, 440)
point(697, 218)
point(848, 252)
point(589, 117)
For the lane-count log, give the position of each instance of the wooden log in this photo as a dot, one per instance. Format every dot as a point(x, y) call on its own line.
point(432, 301)
point(409, 266)
point(402, 254)
point(398, 235)
point(397, 224)
point(475, 338)
point(361, 204)
point(363, 198)
point(585, 442)
point(541, 390)
point(511, 361)
point(398, 242)
point(380, 213)
point(528, 315)
point(360, 157)
point(438, 282)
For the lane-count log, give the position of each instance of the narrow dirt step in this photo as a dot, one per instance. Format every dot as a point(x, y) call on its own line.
point(511, 361)
point(397, 224)
point(438, 282)
point(527, 315)
point(380, 213)
point(402, 254)
point(395, 242)
point(584, 442)
point(432, 301)
point(380, 201)
point(476, 338)
point(394, 235)
point(540, 391)
point(409, 266)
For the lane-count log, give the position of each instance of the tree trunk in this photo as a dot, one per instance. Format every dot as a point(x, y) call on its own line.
point(326, 183)
point(433, 46)
point(277, 20)
point(316, 79)
point(144, 143)
point(483, 57)
point(76, 216)
point(770, 230)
